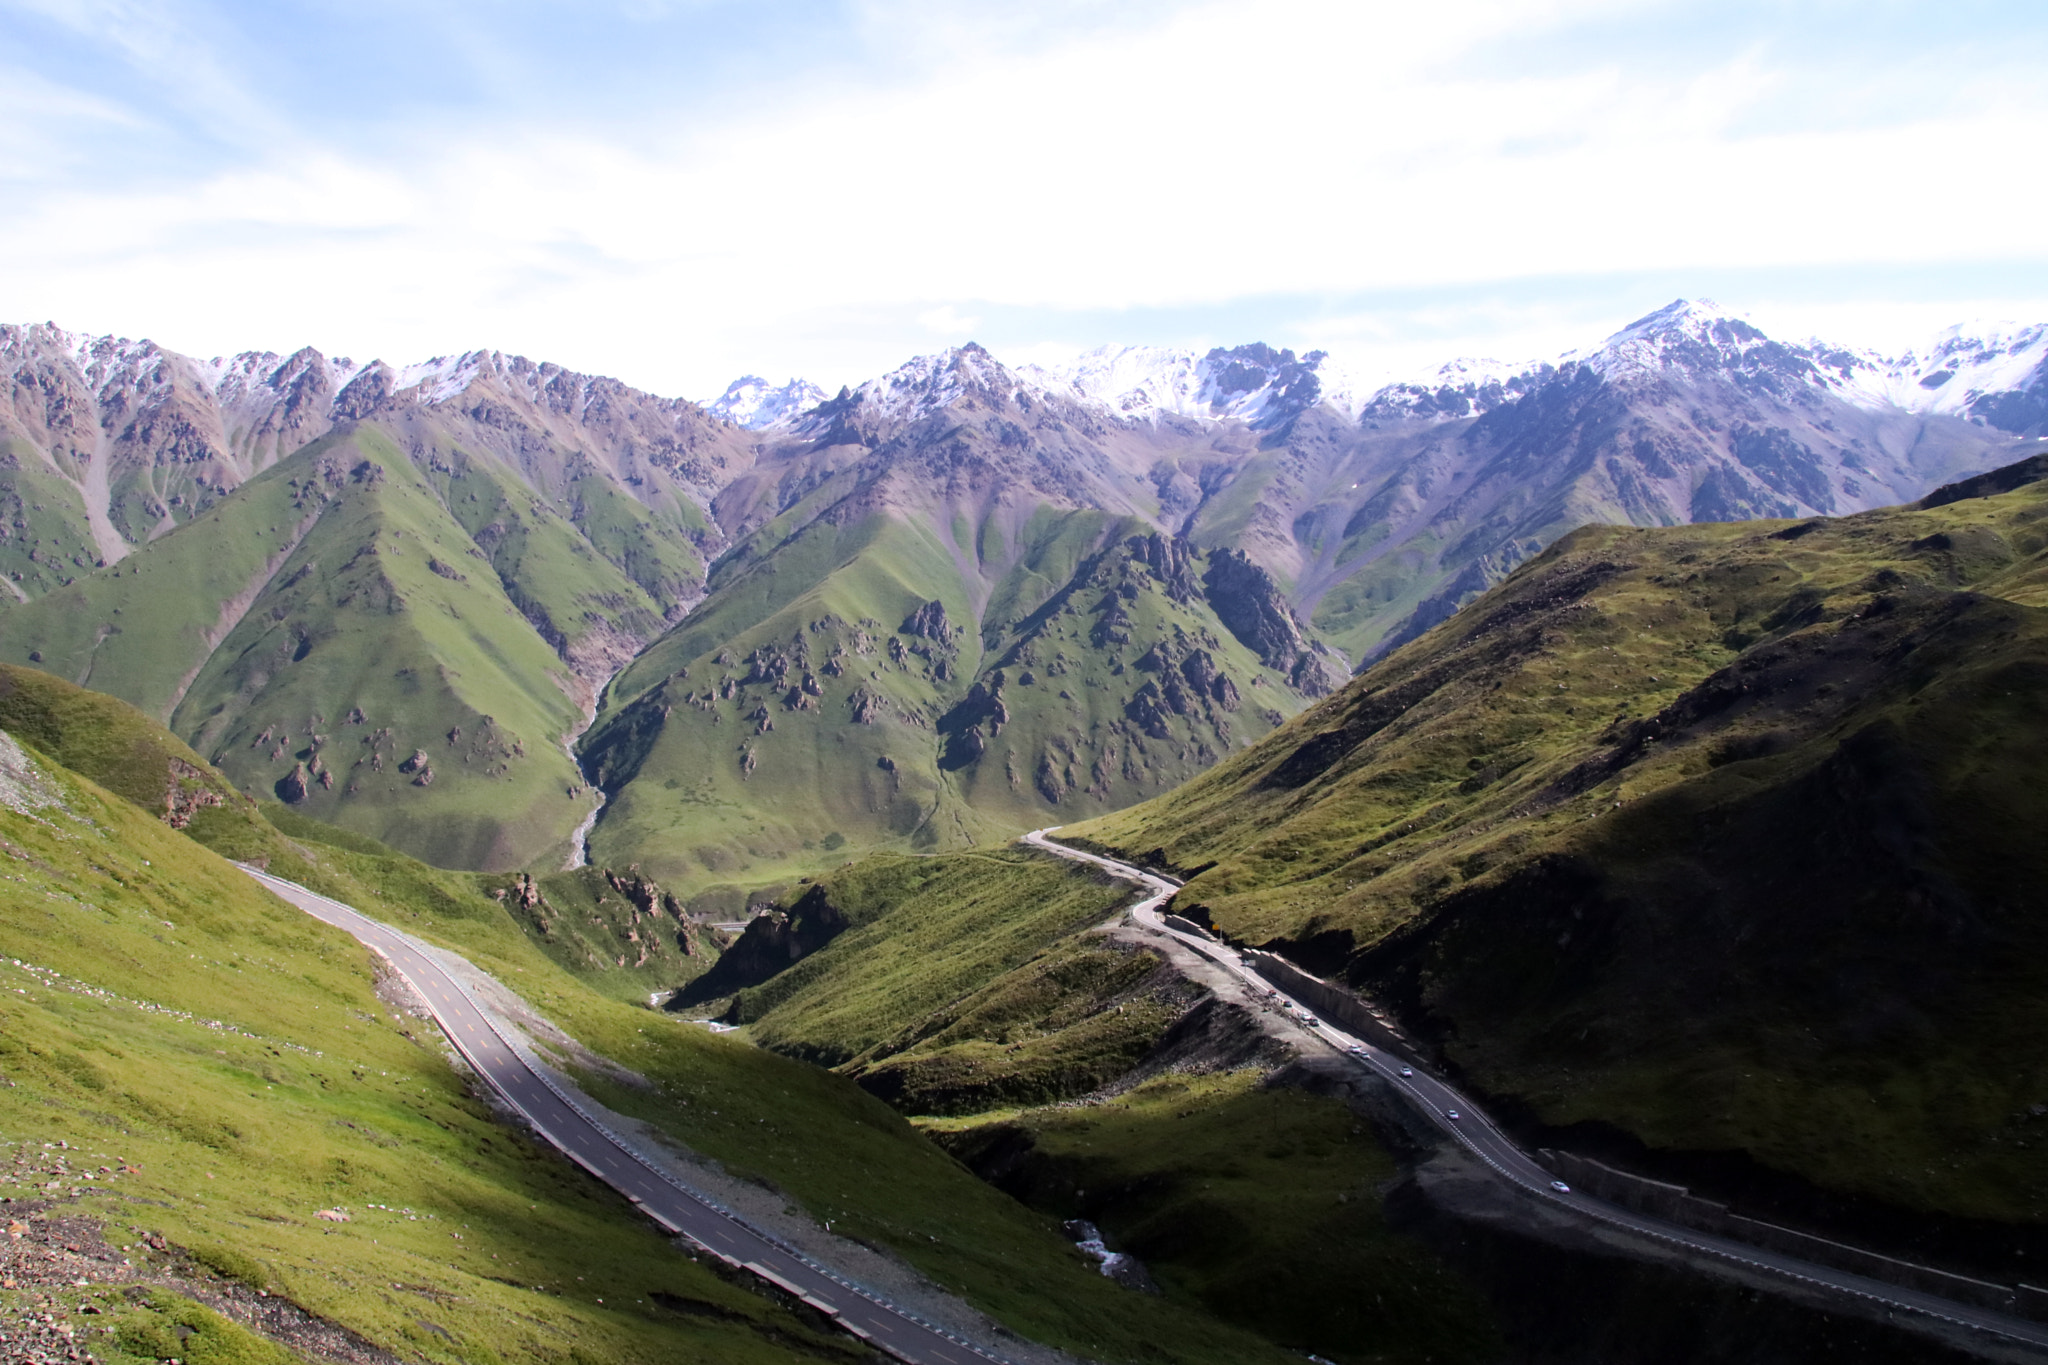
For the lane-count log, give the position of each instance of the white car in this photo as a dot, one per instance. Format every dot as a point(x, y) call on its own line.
point(1450, 1113)
point(1560, 1187)
point(1407, 1071)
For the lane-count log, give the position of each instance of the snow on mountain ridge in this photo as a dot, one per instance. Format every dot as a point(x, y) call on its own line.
point(1144, 383)
point(1133, 381)
point(927, 383)
point(1995, 373)
point(752, 402)
point(1965, 363)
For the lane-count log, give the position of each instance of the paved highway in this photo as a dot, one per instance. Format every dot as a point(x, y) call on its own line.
point(1478, 1134)
point(677, 1208)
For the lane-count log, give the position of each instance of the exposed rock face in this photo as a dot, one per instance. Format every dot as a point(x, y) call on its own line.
point(929, 622)
point(1288, 386)
point(291, 788)
point(865, 707)
point(772, 940)
point(978, 718)
point(1172, 559)
point(651, 902)
point(187, 793)
point(1248, 601)
point(526, 894)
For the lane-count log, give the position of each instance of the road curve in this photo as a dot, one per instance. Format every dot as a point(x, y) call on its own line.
point(679, 1209)
point(1479, 1135)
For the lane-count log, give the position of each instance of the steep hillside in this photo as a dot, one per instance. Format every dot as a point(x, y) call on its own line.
point(389, 597)
point(214, 1068)
point(233, 1066)
point(332, 634)
point(937, 645)
point(1717, 836)
point(1083, 1074)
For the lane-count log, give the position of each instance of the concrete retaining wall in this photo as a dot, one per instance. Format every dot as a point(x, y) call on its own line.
point(1679, 1205)
point(1332, 1002)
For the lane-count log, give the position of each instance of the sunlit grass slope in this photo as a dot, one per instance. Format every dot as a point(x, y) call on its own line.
point(310, 1095)
point(965, 983)
point(817, 705)
point(328, 622)
point(354, 606)
point(168, 1014)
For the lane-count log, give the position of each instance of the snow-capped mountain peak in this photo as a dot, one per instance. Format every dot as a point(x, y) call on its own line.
point(1700, 319)
point(1685, 334)
point(1253, 383)
point(752, 402)
point(1995, 372)
point(927, 383)
point(1132, 381)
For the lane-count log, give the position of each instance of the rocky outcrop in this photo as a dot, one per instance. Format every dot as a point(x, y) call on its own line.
point(771, 941)
point(1172, 561)
point(1249, 603)
point(929, 622)
point(291, 788)
point(976, 719)
point(187, 793)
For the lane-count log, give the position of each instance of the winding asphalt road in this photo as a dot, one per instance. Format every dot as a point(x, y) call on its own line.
point(1478, 1134)
point(679, 1210)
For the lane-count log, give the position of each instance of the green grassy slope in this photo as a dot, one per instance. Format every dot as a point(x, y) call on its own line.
point(352, 606)
point(47, 541)
point(168, 1015)
point(1718, 835)
point(815, 702)
point(736, 754)
point(958, 984)
point(607, 566)
point(108, 741)
point(317, 629)
point(390, 662)
point(344, 1107)
point(138, 630)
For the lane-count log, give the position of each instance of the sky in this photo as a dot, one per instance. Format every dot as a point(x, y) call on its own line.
point(677, 192)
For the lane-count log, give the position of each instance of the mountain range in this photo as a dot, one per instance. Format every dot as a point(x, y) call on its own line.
point(954, 601)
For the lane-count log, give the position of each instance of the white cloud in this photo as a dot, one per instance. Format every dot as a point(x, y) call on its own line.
point(947, 321)
point(1220, 153)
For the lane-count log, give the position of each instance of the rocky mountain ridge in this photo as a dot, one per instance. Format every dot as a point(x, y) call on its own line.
point(1995, 372)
